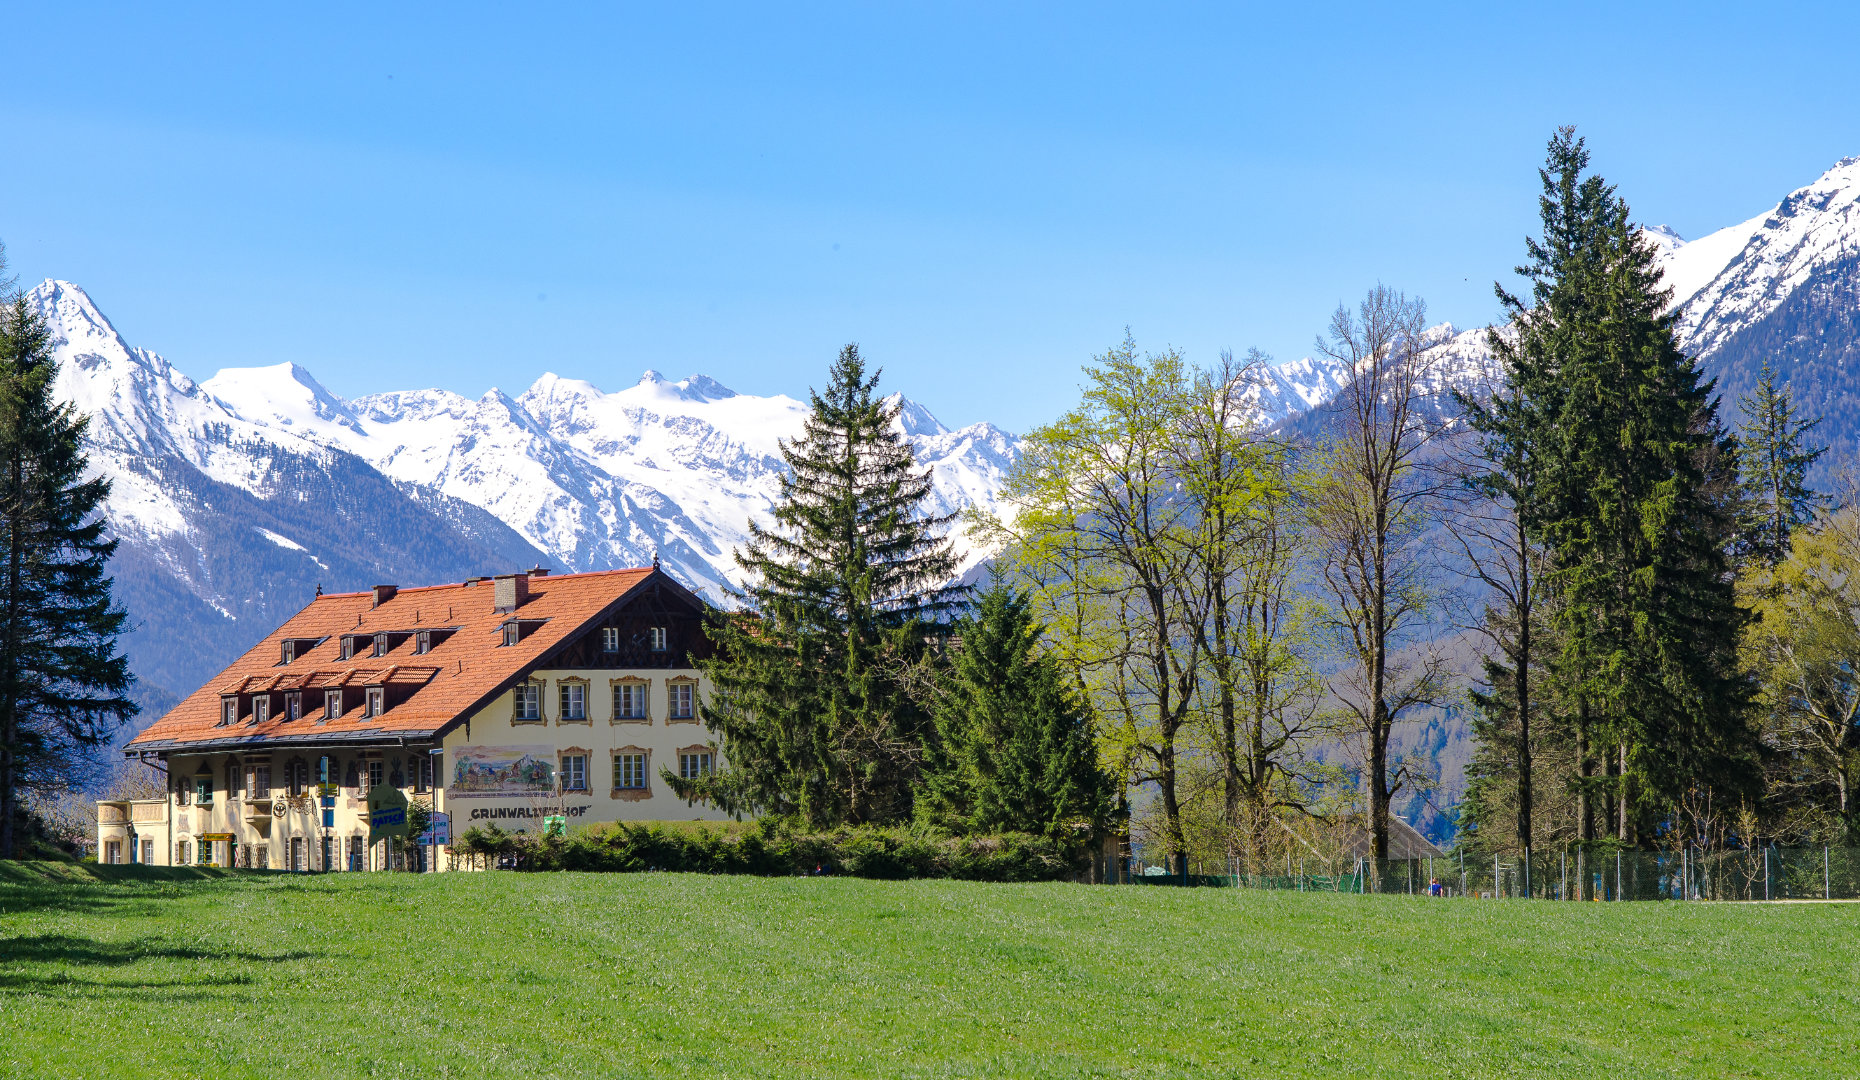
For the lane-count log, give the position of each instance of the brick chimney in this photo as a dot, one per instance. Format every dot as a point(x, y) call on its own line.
point(512, 591)
point(384, 593)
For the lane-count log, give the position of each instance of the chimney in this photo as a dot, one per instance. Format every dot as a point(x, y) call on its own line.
point(513, 591)
point(540, 571)
point(384, 593)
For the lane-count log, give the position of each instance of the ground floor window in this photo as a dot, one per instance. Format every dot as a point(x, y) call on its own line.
point(181, 853)
point(574, 772)
point(113, 852)
point(262, 860)
point(355, 852)
point(299, 857)
point(693, 764)
point(330, 846)
point(630, 771)
point(148, 850)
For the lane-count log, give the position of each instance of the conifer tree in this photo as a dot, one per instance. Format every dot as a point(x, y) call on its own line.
point(63, 684)
point(1015, 750)
point(1773, 462)
point(1635, 501)
point(818, 682)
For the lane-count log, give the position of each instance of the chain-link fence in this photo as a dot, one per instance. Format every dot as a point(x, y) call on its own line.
point(1771, 873)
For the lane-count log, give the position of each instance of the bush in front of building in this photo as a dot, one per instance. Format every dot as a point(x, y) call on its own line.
point(773, 851)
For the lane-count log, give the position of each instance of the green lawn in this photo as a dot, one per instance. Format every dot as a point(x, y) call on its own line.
point(505, 975)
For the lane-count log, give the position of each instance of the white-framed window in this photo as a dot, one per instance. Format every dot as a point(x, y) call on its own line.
point(148, 850)
point(527, 702)
point(377, 774)
point(512, 633)
point(573, 700)
point(681, 703)
point(629, 771)
point(261, 708)
point(261, 781)
point(229, 711)
point(693, 764)
point(658, 639)
point(630, 701)
point(332, 704)
point(574, 772)
point(348, 648)
point(423, 642)
point(423, 774)
point(293, 705)
point(377, 700)
point(112, 852)
point(287, 652)
point(381, 645)
point(610, 639)
point(181, 853)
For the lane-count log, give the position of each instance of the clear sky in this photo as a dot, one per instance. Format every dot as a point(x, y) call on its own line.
point(982, 195)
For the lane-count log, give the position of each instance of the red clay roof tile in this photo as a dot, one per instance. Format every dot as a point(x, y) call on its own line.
point(457, 676)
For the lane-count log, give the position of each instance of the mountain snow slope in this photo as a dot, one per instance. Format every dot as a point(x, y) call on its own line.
point(236, 497)
point(1781, 287)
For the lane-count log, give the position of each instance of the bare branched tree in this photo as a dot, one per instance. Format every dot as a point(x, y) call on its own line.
point(1371, 504)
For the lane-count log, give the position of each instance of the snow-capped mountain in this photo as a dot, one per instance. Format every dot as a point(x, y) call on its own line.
point(234, 498)
point(1783, 287)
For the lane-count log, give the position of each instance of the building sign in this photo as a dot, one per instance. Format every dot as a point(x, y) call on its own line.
point(526, 813)
point(438, 830)
point(387, 812)
point(493, 771)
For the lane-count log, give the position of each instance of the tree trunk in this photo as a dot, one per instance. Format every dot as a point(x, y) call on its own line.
point(1521, 687)
point(1585, 802)
point(1378, 783)
point(1624, 801)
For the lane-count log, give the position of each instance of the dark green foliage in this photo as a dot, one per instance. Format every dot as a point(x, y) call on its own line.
point(771, 851)
point(814, 681)
point(1015, 750)
point(1774, 460)
point(63, 685)
point(1634, 496)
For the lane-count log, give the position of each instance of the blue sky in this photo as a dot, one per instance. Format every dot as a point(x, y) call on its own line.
point(983, 196)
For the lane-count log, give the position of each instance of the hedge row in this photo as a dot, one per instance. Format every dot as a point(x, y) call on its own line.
point(771, 851)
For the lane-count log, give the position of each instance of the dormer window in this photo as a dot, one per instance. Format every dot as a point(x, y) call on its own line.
point(511, 632)
point(229, 711)
point(261, 708)
point(423, 642)
point(610, 639)
point(381, 644)
point(658, 639)
point(332, 704)
point(293, 705)
point(377, 700)
point(287, 652)
point(348, 648)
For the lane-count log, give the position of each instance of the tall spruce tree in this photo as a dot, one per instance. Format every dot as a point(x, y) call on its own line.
point(818, 681)
point(1773, 462)
point(63, 684)
point(1015, 750)
point(1636, 503)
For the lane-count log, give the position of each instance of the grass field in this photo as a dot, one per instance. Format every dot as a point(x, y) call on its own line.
point(137, 973)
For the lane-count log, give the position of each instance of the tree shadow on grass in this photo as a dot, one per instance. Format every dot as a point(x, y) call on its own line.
point(20, 973)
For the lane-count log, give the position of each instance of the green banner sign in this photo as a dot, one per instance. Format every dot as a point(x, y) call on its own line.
point(387, 812)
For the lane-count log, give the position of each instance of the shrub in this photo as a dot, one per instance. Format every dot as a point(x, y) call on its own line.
point(772, 850)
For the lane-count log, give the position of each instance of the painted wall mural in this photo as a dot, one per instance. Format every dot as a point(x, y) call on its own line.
point(502, 770)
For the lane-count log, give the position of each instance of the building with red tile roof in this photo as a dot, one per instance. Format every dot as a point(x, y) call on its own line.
point(509, 699)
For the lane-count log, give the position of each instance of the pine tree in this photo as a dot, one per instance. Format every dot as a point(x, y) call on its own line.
point(819, 681)
point(1015, 750)
point(1636, 504)
point(1773, 462)
point(63, 685)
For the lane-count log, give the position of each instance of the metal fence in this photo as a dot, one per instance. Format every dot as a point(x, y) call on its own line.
point(1772, 873)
